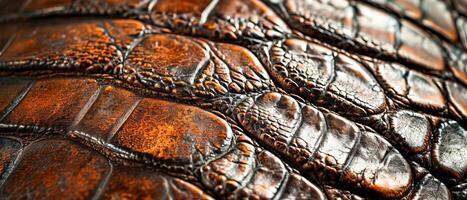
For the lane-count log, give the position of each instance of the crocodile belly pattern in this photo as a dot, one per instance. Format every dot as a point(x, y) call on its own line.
point(233, 99)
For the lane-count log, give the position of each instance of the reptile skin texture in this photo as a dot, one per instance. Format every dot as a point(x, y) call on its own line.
point(233, 99)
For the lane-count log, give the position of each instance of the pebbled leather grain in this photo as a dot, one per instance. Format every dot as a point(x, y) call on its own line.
point(233, 99)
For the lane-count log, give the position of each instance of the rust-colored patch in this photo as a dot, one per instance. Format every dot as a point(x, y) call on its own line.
point(111, 105)
point(127, 183)
point(56, 169)
point(169, 55)
point(52, 41)
point(131, 183)
point(182, 6)
point(85, 45)
point(53, 102)
point(9, 90)
point(173, 132)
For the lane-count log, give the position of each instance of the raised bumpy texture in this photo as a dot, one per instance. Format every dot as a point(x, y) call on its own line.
point(233, 99)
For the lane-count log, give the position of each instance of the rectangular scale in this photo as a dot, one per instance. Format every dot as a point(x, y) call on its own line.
point(11, 92)
point(53, 103)
point(108, 112)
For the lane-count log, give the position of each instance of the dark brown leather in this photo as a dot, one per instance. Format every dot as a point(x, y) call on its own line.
point(233, 99)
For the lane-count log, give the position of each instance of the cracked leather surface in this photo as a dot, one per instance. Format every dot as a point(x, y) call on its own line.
point(233, 99)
